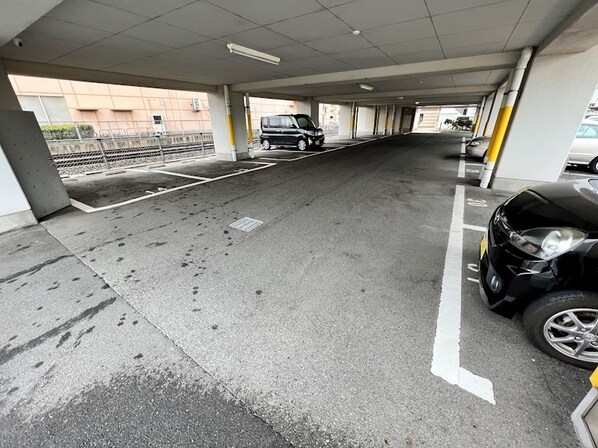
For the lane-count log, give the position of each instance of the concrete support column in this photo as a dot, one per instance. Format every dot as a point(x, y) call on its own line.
point(367, 117)
point(310, 107)
point(478, 116)
point(345, 121)
point(15, 210)
point(550, 109)
point(485, 114)
point(229, 127)
point(494, 109)
point(398, 119)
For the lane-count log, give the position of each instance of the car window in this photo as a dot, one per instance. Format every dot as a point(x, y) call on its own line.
point(305, 122)
point(286, 122)
point(275, 122)
point(587, 132)
point(581, 130)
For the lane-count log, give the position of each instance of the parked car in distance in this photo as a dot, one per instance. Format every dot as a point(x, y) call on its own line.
point(584, 150)
point(477, 147)
point(539, 257)
point(290, 130)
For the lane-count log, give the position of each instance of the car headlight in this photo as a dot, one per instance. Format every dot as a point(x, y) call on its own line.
point(547, 242)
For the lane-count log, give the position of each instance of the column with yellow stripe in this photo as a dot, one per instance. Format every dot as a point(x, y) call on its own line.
point(229, 120)
point(504, 116)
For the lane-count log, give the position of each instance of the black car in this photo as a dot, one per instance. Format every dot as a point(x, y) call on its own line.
point(540, 257)
point(290, 130)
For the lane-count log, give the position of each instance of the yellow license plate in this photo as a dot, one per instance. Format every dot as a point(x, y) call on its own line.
point(483, 245)
point(317, 142)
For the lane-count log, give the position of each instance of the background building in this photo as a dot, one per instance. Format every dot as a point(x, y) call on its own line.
point(125, 110)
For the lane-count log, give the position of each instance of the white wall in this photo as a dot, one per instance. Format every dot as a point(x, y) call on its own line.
point(15, 211)
point(365, 120)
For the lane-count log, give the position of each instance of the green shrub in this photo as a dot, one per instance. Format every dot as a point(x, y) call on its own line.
point(67, 131)
point(461, 123)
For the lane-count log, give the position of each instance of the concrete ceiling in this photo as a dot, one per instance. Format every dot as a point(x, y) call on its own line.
point(185, 41)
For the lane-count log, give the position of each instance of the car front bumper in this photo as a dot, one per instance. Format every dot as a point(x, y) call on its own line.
point(508, 281)
point(315, 140)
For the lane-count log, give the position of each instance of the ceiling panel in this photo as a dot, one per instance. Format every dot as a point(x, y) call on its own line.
point(437, 7)
point(215, 48)
point(549, 9)
point(58, 29)
point(530, 33)
point(95, 15)
point(265, 12)
point(294, 52)
point(148, 8)
point(319, 25)
point(260, 39)
point(410, 47)
point(364, 14)
point(505, 13)
point(164, 34)
point(400, 32)
point(477, 37)
point(473, 50)
point(114, 50)
point(367, 57)
point(207, 19)
point(38, 48)
point(339, 44)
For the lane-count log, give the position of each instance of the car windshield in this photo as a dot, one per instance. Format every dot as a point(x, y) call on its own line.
point(305, 122)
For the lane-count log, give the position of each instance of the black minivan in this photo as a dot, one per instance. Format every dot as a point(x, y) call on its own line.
point(290, 130)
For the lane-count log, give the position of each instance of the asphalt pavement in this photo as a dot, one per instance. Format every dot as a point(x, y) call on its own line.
point(316, 329)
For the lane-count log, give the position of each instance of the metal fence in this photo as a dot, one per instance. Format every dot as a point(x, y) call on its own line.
point(97, 154)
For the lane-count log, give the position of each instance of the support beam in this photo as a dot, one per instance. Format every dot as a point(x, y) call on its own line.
point(497, 101)
point(229, 127)
point(24, 68)
point(578, 33)
point(418, 93)
point(453, 66)
point(552, 105)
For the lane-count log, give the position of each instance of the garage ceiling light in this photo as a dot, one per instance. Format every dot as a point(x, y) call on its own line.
point(253, 54)
point(366, 87)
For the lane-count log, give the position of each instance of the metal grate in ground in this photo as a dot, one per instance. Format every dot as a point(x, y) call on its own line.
point(246, 224)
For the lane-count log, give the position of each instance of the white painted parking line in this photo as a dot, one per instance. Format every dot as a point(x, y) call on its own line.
point(88, 209)
point(446, 362)
point(476, 228)
point(475, 280)
point(169, 173)
point(461, 172)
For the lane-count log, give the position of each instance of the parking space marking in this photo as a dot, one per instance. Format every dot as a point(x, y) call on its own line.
point(446, 362)
point(471, 279)
point(88, 209)
point(169, 173)
point(461, 172)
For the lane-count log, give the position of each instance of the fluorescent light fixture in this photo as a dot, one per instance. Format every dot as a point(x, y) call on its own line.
point(366, 87)
point(253, 54)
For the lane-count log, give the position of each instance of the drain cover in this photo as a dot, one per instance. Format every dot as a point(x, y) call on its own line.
point(246, 224)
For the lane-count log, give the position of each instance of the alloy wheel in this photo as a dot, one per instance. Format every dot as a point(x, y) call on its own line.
point(301, 145)
point(574, 333)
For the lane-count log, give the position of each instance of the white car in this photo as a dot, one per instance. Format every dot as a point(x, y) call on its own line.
point(584, 150)
point(477, 147)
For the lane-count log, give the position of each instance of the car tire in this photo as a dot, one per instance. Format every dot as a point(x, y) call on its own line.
point(594, 166)
point(266, 144)
point(301, 145)
point(553, 306)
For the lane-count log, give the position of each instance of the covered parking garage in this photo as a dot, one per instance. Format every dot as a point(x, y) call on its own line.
point(156, 322)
